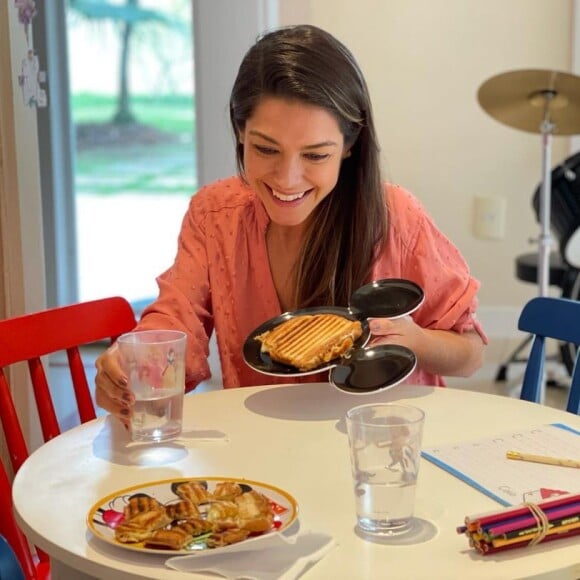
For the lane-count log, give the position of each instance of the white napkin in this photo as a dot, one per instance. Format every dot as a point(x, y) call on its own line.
point(274, 557)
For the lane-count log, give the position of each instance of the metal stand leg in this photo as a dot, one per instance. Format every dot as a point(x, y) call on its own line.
point(513, 358)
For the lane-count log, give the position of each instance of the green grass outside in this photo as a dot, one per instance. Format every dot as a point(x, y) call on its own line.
point(173, 113)
point(137, 167)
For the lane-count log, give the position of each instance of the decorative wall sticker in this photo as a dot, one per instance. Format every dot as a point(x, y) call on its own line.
point(26, 12)
point(29, 80)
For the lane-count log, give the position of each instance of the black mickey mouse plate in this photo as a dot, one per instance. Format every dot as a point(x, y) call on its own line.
point(387, 298)
point(362, 369)
point(373, 369)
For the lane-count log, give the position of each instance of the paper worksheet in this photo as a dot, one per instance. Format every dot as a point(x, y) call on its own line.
point(483, 463)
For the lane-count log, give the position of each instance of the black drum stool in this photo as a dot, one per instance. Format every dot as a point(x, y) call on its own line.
point(527, 269)
point(563, 276)
point(564, 264)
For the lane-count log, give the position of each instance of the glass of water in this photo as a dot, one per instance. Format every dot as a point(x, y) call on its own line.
point(385, 448)
point(154, 361)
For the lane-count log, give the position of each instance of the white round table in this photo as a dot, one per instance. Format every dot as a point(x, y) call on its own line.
point(292, 437)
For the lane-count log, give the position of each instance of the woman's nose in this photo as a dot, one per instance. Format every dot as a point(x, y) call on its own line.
point(289, 171)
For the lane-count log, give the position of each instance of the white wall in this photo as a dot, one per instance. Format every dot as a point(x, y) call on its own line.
point(424, 62)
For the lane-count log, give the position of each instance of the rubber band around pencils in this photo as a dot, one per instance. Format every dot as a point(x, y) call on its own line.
point(542, 522)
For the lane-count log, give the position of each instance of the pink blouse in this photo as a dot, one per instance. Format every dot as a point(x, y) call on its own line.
point(221, 279)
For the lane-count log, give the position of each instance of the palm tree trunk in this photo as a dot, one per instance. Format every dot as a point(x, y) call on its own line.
point(123, 114)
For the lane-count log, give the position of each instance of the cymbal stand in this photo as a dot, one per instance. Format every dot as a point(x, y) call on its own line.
point(545, 239)
point(536, 101)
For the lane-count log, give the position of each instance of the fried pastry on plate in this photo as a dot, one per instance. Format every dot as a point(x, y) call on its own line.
point(194, 491)
point(179, 536)
point(196, 527)
point(254, 512)
point(223, 514)
point(173, 539)
point(141, 526)
point(138, 504)
point(226, 537)
point(227, 490)
point(182, 510)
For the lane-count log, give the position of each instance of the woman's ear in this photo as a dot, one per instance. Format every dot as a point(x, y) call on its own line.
point(346, 154)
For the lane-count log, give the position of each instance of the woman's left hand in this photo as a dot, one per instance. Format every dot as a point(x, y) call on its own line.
point(401, 331)
point(442, 352)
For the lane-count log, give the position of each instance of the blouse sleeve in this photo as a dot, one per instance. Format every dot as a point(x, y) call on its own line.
point(184, 298)
point(426, 256)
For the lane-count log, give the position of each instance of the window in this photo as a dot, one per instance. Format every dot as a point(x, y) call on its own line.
point(110, 227)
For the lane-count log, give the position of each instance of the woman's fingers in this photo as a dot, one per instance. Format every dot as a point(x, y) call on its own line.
point(112, 392)
point(114, 407)
point(401, 331)
point(385, 326)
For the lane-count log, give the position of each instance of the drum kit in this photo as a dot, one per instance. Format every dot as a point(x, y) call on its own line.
point(546, 102)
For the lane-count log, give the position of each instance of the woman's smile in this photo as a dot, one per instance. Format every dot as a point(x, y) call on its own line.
point(289, 197)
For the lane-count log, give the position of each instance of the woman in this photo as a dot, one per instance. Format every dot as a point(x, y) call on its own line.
point(307, 222)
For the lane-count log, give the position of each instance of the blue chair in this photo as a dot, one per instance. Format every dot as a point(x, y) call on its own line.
point(10, 568)
point(548, 317)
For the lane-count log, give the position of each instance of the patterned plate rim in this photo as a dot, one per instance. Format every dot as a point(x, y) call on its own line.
point(97, 527)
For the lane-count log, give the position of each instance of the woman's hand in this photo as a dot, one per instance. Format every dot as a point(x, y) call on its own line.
point(442, 352)
point(112, 392)
point(401, 331)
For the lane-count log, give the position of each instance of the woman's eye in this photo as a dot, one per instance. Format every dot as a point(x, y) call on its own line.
point(316, 156)
point(265, 150)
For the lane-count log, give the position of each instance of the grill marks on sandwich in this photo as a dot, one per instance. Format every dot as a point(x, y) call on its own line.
point(306, 342)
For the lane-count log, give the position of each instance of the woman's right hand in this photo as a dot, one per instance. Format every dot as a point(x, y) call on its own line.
point(112, 392)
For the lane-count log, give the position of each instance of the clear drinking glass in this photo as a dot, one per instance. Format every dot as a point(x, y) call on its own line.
point(385, 447)
point(154, 361)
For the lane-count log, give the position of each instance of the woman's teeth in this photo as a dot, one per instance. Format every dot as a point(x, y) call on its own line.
point(283, 197)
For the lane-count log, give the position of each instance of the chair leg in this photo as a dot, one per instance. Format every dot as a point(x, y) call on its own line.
point(501, 374)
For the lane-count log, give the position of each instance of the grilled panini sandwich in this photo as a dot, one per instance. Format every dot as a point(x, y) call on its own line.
point(308, 341)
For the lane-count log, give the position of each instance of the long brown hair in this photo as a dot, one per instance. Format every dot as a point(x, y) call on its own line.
point(348, 227)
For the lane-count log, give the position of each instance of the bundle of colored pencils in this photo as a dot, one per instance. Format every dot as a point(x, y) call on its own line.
point(524, 525)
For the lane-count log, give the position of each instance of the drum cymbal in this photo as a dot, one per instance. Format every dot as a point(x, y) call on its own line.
point(519, 99)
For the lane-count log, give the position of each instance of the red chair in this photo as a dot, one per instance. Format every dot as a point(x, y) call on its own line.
point(32, 336)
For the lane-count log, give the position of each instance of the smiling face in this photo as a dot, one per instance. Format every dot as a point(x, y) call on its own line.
point(292, 157)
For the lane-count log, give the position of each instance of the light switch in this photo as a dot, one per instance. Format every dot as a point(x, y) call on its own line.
point(489, 217)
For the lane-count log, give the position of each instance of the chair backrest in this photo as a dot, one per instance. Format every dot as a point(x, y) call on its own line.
point(32, 336)
point(548, 317)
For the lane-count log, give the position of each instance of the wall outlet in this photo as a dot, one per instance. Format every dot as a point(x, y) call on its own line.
point(489, 217)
